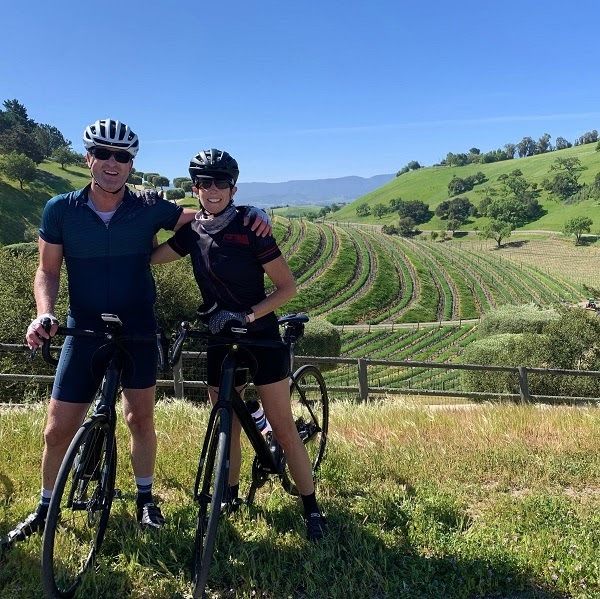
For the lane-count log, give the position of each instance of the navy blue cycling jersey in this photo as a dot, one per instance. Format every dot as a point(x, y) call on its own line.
point(228, 265)
point(108, 267)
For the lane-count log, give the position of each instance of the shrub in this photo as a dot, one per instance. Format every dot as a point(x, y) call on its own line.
point(178, 295)
point(175, 194)
point(527, 318)
point(505, 349)
point(320, 338)
point(28, 249)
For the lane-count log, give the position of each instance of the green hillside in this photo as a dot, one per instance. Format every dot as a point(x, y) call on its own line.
point(430, 185)
point(20, 210)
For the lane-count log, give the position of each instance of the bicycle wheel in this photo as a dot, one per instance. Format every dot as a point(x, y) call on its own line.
point(310, 408)
point(79, 508)
point(211, 479)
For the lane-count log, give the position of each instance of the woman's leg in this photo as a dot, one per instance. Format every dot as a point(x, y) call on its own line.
point(275, 398)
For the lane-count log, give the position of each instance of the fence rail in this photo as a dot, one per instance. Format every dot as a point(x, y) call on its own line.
point(365, 387)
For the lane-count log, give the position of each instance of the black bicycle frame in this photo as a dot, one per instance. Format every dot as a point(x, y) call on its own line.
point(227, 390)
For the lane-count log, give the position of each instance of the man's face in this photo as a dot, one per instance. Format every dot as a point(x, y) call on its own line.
point(109, 173)
point(213, 199)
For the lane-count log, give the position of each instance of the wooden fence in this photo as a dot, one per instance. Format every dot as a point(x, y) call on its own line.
point(365, 389)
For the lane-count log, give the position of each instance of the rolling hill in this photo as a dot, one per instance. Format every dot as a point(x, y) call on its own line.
point(430, 185)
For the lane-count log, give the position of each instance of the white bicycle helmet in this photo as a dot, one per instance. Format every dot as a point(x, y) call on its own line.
point(109, 133)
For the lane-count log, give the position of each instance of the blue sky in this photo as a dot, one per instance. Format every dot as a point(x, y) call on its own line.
point(306, 90)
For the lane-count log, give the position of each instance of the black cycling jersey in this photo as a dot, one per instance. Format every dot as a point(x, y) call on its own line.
point(228, 265)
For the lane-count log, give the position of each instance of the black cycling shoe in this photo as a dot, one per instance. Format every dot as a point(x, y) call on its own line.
point(34, 523)
point(150, 516)
point(230, 506)
point(316, 526)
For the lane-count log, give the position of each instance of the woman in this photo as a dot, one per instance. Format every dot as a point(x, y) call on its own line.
point(229, 263)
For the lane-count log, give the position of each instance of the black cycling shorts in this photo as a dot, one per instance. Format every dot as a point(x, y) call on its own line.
point(83, 362)
point(265, 365)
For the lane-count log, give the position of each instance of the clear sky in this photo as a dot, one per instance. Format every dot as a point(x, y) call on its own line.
point(306, 90)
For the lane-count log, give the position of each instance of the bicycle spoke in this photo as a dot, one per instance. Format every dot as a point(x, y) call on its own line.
point(79, 509)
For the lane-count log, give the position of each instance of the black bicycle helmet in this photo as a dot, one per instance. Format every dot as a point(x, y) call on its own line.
point(214, 163)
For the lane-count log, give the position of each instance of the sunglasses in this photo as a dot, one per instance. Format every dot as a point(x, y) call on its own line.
point(208, 183)
point(104, 154)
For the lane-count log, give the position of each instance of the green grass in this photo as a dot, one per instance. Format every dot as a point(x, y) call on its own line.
point(430, 185)
point(21, 209)
point(498, 501)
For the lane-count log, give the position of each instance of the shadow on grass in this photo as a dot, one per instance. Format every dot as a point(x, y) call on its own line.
point(356, 559)
point(361, 556)
point(513, 244)
point(20, 570)
point(6, 484)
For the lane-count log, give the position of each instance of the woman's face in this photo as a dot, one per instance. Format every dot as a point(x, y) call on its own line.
point(213, 199)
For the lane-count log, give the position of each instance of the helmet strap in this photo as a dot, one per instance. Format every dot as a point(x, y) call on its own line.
point(106, 190)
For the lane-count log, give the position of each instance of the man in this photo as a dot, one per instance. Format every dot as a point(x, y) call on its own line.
point(105, 235)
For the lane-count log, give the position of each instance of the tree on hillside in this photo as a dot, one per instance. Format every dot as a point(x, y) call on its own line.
point(161, 182)
point(578, 226)
point(496, 230)
point(543, 144)
point(134, 179)
point(587, 138)
point(18, 132)
point(526, 147)
point(415, 209)
point(363, 210)
point(562, 144)
point(64, 155)
point(565, 182)
point(510, 150)
point(50, 139)
point(508, 209)
point(379, 210)
point(406, 226)
point(186, 185)
point(413, 165)
point(177, 181)
point(175, 194)
point(17, 167)
point(457, 210)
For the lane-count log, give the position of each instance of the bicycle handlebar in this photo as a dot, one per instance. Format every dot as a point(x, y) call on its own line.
point(235, 337)
point(112, 334)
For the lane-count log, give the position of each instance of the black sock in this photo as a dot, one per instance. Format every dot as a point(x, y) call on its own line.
point(310, 504)
point(143, 498)
point(232, 492)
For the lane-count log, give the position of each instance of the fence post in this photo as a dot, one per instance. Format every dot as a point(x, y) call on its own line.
point(178, 378)
point(363, 382)
point(524, 385)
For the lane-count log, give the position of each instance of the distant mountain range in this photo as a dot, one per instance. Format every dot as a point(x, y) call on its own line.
point(316, 191)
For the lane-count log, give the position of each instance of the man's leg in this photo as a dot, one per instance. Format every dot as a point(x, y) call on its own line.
point(62, 422)
point(138, 410)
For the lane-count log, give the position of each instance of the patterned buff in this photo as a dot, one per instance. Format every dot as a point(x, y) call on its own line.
point(214, 223)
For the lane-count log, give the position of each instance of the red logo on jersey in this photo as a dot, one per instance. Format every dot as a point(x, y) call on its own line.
point(236, 238)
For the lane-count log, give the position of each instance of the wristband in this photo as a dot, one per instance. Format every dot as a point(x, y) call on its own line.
point(250, 316)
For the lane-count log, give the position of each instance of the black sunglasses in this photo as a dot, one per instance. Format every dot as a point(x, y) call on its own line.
point(207, 183)
point(104, 154)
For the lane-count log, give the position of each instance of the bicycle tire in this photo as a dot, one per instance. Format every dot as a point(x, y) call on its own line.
point(310, 409)
point(211, 479)
point(79, 508)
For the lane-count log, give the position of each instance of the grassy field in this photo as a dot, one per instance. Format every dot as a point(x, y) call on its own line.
point(496, 501)
point(430, 185)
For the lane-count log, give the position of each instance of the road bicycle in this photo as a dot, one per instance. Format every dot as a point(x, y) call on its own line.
point(85, 485)
point(310, 408)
